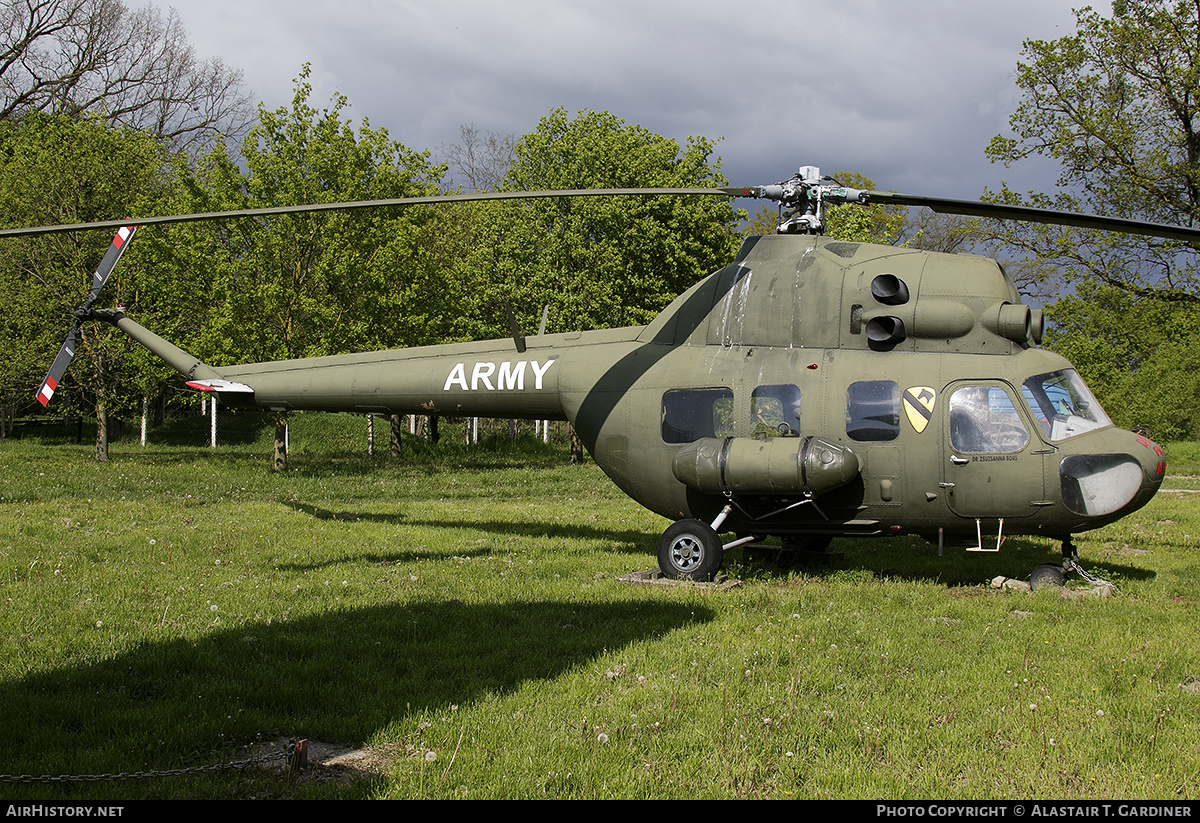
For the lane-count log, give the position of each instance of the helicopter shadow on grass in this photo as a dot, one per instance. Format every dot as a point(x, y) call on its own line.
point(438, 465)
point(915, 560)
point(630, 541)
point(339, 677)
point(237, 428)
point(634, 540)
point(911, 559)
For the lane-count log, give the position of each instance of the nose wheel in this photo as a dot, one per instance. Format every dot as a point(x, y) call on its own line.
point(1047, 576)
point(1050, 575)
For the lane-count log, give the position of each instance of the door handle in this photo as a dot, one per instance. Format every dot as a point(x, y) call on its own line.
point(959, 461)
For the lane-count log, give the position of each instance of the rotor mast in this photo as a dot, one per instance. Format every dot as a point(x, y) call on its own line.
point(805, 198)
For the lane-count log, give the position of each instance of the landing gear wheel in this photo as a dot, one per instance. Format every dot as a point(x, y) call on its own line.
point(1047, 575)
point(690, 550)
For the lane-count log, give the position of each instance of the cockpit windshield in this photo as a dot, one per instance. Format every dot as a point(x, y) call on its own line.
point(1063, 405)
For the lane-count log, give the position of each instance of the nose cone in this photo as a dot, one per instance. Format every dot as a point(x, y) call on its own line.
point(1111, 483)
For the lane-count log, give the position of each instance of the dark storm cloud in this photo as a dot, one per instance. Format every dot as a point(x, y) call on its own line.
point(908, 93)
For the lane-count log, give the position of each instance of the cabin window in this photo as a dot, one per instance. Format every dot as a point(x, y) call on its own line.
point(775, 411)
point(873, 410)
point(690, 414)
point(985, 419)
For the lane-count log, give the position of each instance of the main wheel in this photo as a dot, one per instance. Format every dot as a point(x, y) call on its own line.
point(1047, 575)
point(690, 550)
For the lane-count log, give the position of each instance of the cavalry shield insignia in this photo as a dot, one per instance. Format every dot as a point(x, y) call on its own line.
point(918, 405)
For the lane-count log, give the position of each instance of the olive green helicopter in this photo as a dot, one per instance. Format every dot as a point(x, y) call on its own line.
point(808, 390)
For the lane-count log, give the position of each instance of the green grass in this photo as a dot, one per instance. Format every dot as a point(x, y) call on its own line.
point(460, 614)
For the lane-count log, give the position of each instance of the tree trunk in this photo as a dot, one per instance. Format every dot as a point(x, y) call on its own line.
point(397, 449)
point(280, 461)
point(576, 448)
point(101, 411)
point(101, 431)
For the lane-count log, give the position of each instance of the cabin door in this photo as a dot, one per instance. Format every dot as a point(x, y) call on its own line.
point(992, 460)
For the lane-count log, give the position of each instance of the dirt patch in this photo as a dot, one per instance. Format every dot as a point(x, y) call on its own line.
point(317, 761)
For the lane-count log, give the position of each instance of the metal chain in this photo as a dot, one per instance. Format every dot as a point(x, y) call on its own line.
point(285, 754)
point(1070, 564)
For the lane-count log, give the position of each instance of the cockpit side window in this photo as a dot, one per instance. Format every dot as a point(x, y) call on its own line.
point(984, 420)
point(1062, 404)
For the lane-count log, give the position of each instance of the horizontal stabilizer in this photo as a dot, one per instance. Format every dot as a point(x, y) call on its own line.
point(219, 386)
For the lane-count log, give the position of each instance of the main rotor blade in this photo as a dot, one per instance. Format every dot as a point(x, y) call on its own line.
point(59, 367)
point(1030, 214)
point(363, 204)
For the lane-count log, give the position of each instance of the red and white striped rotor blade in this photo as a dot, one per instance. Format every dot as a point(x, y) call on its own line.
point(58, 368)
point(115, 250)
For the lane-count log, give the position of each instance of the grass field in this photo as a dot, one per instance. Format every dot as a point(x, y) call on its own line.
point(459, 616)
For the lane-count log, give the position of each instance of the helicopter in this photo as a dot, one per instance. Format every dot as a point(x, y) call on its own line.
point(811, 389)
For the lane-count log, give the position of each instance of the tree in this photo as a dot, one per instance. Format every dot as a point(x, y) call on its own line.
point(313, 284)
point(764, 222)
point(1141, 357)
point(1116, 106)
point(53, 170)
point(479, 160)
point(597, 262)
point(864, 224)
point(132, 68)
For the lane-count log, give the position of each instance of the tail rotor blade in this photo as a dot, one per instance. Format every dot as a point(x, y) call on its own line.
point(115, 250)
point(58, 368)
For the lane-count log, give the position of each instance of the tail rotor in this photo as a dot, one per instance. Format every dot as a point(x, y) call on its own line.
point(99, 278)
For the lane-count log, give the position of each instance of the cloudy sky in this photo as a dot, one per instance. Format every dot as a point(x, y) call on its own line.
point(907, 92)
